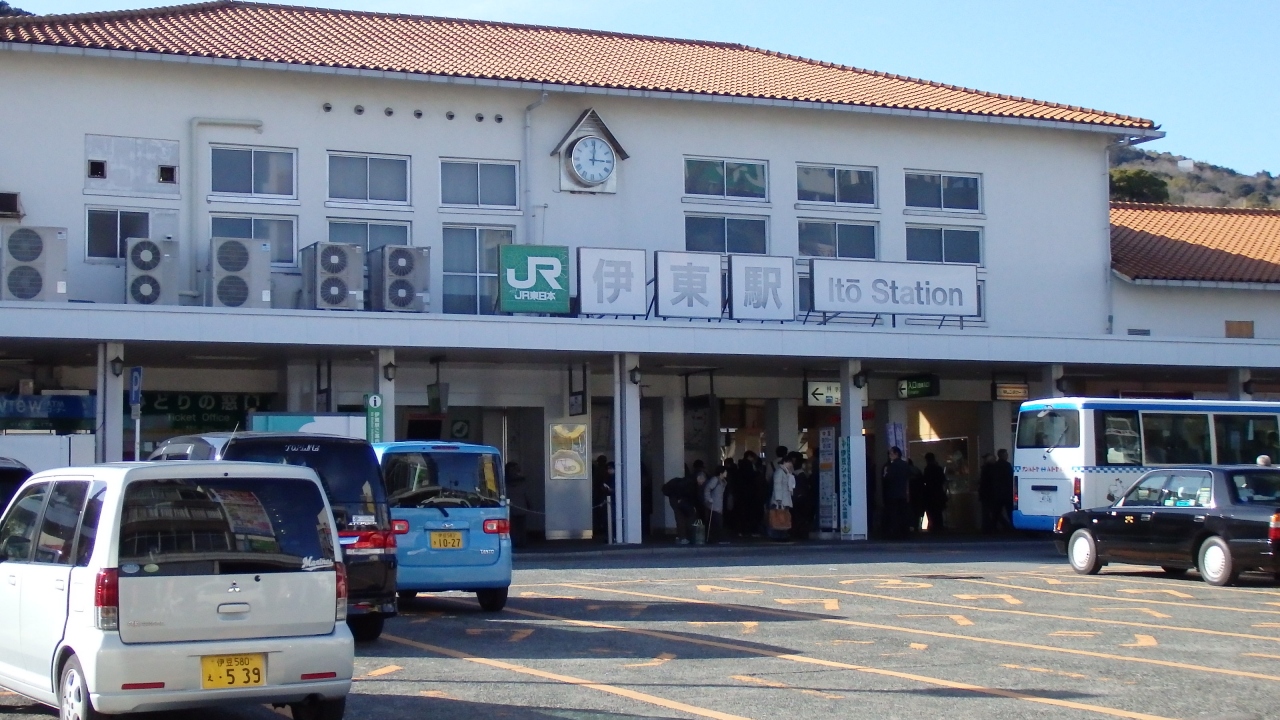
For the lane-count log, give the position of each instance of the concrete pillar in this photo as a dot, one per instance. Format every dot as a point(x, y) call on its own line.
point(853, 455)
point(387, 389)
point(627, 526)
point(1054, 375)
point(781, 424)
point(672, 449)
point(1240, 384)
point(110, 404)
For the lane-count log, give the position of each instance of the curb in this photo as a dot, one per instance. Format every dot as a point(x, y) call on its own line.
point(857, 547)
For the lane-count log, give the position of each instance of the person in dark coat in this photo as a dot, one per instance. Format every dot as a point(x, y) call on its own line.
point(602, 485)
point(1004, 488)
point(916, 496)
point(935, 492)
point(897, 481)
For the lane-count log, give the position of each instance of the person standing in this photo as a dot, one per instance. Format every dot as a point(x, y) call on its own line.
point(601, 488)
point(1004, 488)
point(713, 498)
point(897, 480)
point(935, 493)
point(916, 495)
point(752, 499)
point(784, 485)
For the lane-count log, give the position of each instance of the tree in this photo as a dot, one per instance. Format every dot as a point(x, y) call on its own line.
point(7, 9)
point(1138, 185)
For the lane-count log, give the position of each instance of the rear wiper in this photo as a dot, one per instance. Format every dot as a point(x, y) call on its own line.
point(442, 510)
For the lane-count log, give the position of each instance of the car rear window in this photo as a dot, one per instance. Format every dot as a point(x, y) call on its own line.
point(1256, 487)
point(443, 479)
point(223, 526)
point(348, 470)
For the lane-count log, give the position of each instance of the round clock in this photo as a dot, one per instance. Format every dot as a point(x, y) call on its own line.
point(592, 160)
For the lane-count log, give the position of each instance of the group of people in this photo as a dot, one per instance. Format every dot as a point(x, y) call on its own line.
point(916, 498)
point(747, 497)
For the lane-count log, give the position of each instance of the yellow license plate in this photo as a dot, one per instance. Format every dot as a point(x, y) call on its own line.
point(446, 541)
point(233, 671)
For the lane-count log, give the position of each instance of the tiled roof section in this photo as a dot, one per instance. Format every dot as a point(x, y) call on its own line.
point(465, 48)
point(1174, 242)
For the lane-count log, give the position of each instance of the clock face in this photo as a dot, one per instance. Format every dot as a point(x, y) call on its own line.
point(592, 160)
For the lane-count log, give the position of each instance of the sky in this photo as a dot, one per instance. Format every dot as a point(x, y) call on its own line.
point(1177, 62)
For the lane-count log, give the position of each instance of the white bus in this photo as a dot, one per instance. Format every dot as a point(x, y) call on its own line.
point(1076, 453)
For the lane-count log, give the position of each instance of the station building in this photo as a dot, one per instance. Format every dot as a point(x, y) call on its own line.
point(572, 243)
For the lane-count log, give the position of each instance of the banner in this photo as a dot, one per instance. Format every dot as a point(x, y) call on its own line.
point(846, 491)
point(872, 286)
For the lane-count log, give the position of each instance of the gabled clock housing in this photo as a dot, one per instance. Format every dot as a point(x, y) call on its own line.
point(588, 124)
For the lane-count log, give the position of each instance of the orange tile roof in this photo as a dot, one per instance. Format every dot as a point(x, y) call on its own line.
point(1204, 244)
point(231, 29)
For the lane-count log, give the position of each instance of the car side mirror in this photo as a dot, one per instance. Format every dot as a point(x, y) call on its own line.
point(1111, 497)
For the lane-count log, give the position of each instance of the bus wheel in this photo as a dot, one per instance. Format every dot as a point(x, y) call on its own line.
point(1082, 551)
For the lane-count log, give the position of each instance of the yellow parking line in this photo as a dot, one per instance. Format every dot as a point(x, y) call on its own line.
point(567, 679)
point(765, 652)
point(934, 633)
point(1144, 601)
point(1153, 581)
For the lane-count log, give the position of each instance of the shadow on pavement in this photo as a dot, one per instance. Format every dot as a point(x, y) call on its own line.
point(446, 708)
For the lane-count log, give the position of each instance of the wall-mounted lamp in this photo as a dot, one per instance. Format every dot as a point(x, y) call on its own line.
point(389, 371)
point(117, 366)
point(1246, 387)
point(860, 379)
point(634, 375)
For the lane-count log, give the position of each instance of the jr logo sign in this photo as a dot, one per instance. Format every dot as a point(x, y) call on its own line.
point(535, 279)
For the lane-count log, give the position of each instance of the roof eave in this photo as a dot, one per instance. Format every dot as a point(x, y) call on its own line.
point(1130, 135)
point(1200, 284)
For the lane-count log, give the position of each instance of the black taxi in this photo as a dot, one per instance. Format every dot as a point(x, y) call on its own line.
point(1219, 520)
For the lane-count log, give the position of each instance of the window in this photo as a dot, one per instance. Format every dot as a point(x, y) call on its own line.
point(1188, 489)
point(61, 516)
point(18, 533)
point(845, 186)
point(98, 169)
point(479, 184)
point(276, 230)
point(1043, 429)
point(109, 232)
point(1147, 492)
point(416, 480)
point(1175, 439)
point(944, 245)
point(369, 178)
point(1118, 442)
point(369, 235)
point(1239, 329)
point(1242, 438)
point(1256, 487)
point(720, 234)
point(89, 529)
point(944, 192)
point(471, 269)
point(725, 178)
point(167, 174)
point(844, 240)
point(251, 172)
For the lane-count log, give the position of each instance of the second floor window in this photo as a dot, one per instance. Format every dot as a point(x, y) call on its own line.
point(838, 240)
point(478, 184)
point(725, 178)
point(368, 178)
point(368, 235)
point(944, 245)
point(721, 234)
point(109, 232)
point(253, 172)
point(943, 191)
point(279, 231)
point(843, 186)
point(471, 269)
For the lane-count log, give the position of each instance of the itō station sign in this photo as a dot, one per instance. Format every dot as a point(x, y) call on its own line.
point(894, 288)
point(534, 279)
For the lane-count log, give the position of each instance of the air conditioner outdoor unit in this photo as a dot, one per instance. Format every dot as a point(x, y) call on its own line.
point(34, 263)
point(241, 273)
point(151, 273)
point(398, 278)
point(332, 276)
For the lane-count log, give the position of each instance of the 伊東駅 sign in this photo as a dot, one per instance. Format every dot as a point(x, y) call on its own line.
point(872, 286)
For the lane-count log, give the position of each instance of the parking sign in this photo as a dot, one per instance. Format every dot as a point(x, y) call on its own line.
point(135, 386)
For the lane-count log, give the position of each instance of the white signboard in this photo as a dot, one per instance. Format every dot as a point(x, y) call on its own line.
point(869, 286)
point(762, 287)
point(612, 282)
point(827, 480)
point(820, 394)
point(687, 284)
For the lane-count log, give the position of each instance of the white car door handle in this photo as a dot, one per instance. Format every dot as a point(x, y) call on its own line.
point(13, 579)
point(60, 584)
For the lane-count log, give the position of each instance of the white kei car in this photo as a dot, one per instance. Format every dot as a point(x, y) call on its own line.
point(153, 586)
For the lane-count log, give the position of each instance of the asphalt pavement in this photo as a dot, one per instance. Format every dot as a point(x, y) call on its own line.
point(988, 630)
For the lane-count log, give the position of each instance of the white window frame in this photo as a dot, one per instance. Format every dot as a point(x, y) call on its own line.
point(478, 206)
point(982, 242)
point(121, 259)
point(875, 227)
point(730, 216)
point(252, 196)
point(477, 227)
point(367, 221)
point(684, 179)
point(369, 202)
point(942, 174)
point(875, 182)
point(263, 216)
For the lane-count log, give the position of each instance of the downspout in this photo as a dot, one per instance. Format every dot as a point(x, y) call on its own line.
point(525, 171)
point(193, 162)
point(1111, 290)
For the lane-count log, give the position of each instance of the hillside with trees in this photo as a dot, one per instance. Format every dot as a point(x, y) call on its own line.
point(1144, 176)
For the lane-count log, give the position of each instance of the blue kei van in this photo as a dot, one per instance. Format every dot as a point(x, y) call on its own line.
point(453, 498)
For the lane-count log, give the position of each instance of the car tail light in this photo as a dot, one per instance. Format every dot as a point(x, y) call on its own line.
point(1075, 494)
point(497, 527)
point(367, 542)
point(1057, 526)
point(340, 592)
point(1015, 492)
point(400, 527)
point(106, 600)
point(1273, 533)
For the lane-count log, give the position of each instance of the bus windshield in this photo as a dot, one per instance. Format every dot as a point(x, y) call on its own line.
point(1049, 428)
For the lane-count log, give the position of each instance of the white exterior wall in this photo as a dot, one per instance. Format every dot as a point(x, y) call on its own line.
point(1044, 198)
point(1194, 311)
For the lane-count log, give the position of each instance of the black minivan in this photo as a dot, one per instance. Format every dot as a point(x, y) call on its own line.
point(349, 470)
